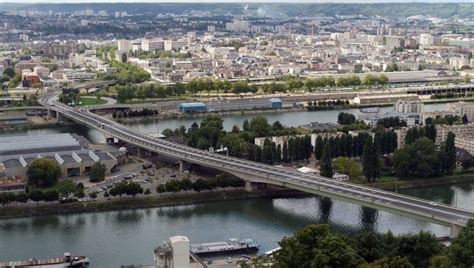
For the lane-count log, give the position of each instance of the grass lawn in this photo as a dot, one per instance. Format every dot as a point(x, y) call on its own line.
point(92, 101)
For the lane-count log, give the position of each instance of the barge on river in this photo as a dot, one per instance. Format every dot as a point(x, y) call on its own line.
point(231, 246)
point(67, 261)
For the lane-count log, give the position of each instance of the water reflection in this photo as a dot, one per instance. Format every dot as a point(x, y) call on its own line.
point(368, 218)
point(128, 216)
point(325, 205)
point(443, 194)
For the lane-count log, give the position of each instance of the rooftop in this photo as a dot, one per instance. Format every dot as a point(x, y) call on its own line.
point(23, 144)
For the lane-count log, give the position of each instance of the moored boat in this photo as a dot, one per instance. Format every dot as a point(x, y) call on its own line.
point(231, 246)
point(67, 261)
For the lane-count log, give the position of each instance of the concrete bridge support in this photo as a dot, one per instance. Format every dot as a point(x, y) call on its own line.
point(183, 166)
point(51, 114)
point(142, 153)
point(454, 230)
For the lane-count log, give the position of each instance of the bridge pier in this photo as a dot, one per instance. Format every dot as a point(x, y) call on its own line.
point(142, 153)
point(183, 166)
point(51, 114)
point(249, 186)
point(454, 230)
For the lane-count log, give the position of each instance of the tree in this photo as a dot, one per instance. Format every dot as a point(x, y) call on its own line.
point(93, 195)
point(346, 166)
point(318, 148)
point(259, 126)
point(36, 195)
point(43, 172)
point(66, 187)
point(124, 57)
point(464, 119)
point(133, 188)
point(186, 184)
point(246, 125)
point(97, 172)
point(390, 262)
point(51, 195)
point(315, 246)
point(345, 118)
point(448, 154)
point(461, 251)
point(326, 169)
point(370, 161)
point(419, 160)
point(418, 248)
point(21, 197)
point(6, 198)
point(161, 188)
point(9, 72)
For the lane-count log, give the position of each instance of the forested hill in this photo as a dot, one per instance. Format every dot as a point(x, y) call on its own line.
point(443, 10)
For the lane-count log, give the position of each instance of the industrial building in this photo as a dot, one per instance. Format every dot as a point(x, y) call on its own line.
point(71, 152)
point(276, 103)
point(383, 98)
point(173, 253)
point(9, 183)
point(192, 107)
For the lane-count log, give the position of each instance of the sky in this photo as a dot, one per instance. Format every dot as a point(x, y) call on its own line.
point(230, 1)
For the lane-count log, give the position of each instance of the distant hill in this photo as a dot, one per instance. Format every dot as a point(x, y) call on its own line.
point(443, 10)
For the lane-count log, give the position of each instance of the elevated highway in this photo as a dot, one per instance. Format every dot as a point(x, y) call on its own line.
point(255, 172)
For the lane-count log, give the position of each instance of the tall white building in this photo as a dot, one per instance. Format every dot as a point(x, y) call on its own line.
point(408, 106)
point(173, 253)
point(426, 40)
point(124, 45)
point(152, 45)
point(238, 26)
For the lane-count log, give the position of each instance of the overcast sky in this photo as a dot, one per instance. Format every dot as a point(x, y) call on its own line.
point(229, 1)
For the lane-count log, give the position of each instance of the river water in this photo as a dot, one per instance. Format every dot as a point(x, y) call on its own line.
point(111, 239)
point(115, 238)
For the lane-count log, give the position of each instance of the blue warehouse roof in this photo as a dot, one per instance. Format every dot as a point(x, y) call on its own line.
point(192, 104)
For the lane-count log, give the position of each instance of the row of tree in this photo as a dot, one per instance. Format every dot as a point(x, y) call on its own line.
point(326, 105)
point(64, 188)
point(318, 246)
point(221, 181)
point(126, 188)
point(352, 146)
point(371, 152)
point(129, 76)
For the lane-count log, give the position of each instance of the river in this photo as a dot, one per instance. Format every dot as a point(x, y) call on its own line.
point(115, 238)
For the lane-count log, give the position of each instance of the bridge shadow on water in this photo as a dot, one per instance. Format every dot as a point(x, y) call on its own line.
point(292, 213)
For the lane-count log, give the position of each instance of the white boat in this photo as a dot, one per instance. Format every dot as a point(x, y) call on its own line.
point(233, 245)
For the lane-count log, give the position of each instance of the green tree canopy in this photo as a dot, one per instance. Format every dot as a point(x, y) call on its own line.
point(315, 246)
point(326, 169)
point(97, 172)
point(461, 251)
point(419, 159)
point(43, 172)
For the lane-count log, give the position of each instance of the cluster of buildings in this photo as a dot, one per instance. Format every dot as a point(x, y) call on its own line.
point(407, 107)
point(72, 153)
point(251, 45)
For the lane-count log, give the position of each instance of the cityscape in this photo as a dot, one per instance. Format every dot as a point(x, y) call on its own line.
point(237, 134)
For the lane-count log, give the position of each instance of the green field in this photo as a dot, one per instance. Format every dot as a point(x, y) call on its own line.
point(92, 101)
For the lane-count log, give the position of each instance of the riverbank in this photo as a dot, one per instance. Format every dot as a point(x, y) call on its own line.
point(174, 115)
point(129, 203)
point(393, 184)
point(29, 126)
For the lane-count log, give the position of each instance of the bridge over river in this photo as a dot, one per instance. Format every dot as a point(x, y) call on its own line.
point(253, 172)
